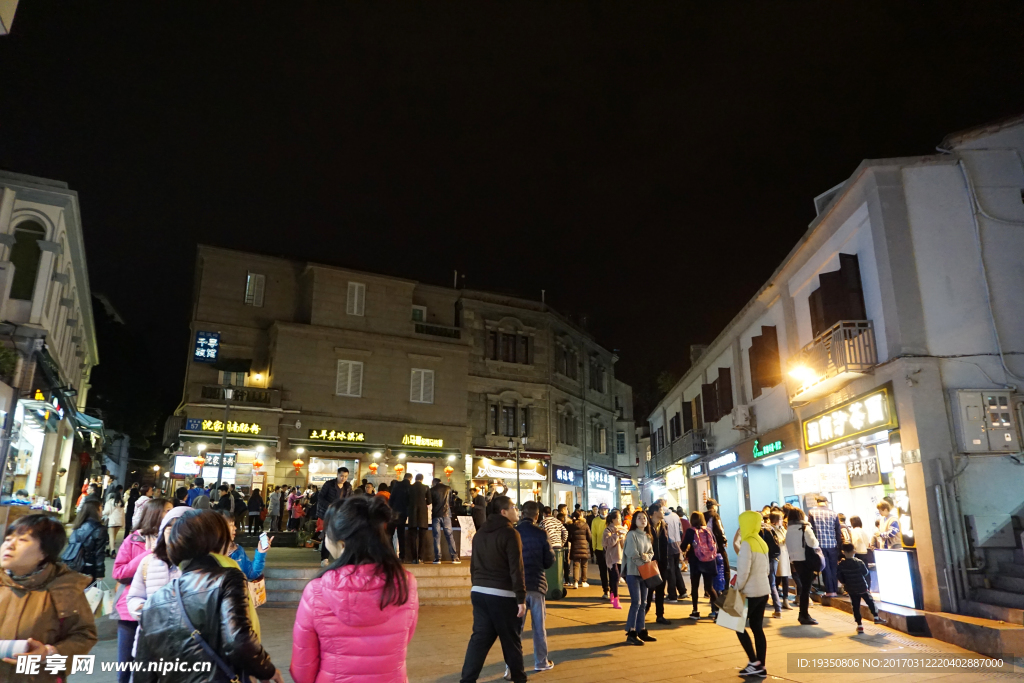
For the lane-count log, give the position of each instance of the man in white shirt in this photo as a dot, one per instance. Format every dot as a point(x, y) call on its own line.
point(676, 589)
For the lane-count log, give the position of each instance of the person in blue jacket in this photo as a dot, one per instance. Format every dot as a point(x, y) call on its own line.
point(253, 569)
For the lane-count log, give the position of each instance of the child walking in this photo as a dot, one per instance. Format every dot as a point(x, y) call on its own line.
point(855, 576)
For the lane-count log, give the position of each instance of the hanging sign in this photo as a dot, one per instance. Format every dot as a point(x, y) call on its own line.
point(207, 347)
point(697, 470)
point(863, 468)
point(870, 412)
point(485, 468)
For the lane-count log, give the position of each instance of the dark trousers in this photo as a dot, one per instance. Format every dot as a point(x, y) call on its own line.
point(725, 562)
point(416, 546)
point(758, 650)
point(399, 528)
point(830, 573)
point(613, 579)
point(657, 595)
point(709, 585)
point(783, 587)
point(494, 617)
point(255, 524)
point(855, 601)
point(804, 576)
point(125, 641)
point(603, 569)
point(673, 576)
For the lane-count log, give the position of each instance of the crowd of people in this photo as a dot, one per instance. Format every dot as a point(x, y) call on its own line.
point(186, 595)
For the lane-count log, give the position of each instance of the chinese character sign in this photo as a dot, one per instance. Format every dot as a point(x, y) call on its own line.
point(863, 470)
point(868, 413)
point(336, 435)
point(232, 427)
point(207, 347)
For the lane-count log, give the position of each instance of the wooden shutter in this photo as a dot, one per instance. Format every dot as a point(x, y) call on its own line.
point(840, 296)
point(255, 284)
point(428, 386)
point(853, 300)
point(698, 413)
point(355, 380)
point(687, 417)
point(355, 304)
point(725, 400)
point(416, 386)
point(770, 365)
point(709, 400)
point(755, 359)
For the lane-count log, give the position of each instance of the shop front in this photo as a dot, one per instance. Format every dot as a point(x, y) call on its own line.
point(628, 494)
point(774, 456)
point(249, 457)
point(500, 470)
point(567, 485)
point(701, 485)
point(675, 486)
point(601, 488)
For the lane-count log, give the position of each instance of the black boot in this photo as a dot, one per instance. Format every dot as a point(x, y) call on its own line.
point(642, 635)
point(632, 639)
point(663, 620)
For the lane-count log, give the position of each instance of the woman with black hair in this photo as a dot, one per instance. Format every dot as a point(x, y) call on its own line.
point(357, 617)
point(87, 546)
point(41, 600)
point(205, 614)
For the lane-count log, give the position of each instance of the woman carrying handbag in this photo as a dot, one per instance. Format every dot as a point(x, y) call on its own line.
point(638, 551)
point(752, 582)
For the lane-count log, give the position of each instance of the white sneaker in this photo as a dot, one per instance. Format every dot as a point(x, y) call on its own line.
point(584, 585)
point(753, 669)
point(508, 674)
point(456, 561)
point(622, 581)
point(547, 667)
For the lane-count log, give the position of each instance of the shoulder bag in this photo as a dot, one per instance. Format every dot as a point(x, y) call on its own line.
point(650, 574)
point(195, 635)
point(811, 557)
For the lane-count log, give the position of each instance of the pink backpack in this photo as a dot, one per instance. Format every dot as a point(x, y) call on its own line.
point(705, 549)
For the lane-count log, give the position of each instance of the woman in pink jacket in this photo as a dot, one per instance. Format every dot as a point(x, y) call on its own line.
point(356, 619)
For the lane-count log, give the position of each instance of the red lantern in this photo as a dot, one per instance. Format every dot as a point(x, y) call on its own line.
point(257, 463)
point(199, 460)
point(448, 471)
point(372, 467)
point(399, 469)
point(297, 463)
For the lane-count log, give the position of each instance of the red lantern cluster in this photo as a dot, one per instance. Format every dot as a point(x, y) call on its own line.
point(448, 471)
point(399, 469)
point(297, 463)
point(372, 467)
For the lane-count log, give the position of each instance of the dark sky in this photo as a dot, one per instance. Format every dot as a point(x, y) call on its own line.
point(648, 164)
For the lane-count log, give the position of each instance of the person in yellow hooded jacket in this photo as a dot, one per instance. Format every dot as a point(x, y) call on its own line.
point(752, 582)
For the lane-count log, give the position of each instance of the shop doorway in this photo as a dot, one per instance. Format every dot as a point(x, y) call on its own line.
point(730, 505)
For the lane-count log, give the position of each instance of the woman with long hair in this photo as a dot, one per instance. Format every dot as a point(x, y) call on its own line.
point(90, 534)
point(357, 617)
point(208, 604)
point(136, 546)
point(637, 550)
point(700, 548)
point(614, 539)
point(113, 514)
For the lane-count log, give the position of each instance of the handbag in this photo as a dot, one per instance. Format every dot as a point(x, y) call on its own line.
point(263, 514)
point(734, 623)
point(734, 602)
point(195, 635)
point(650, 573)
point(257, 591)
point(812, 556)
point(320, 524)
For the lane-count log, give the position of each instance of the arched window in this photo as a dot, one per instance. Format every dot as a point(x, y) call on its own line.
point(25, 255)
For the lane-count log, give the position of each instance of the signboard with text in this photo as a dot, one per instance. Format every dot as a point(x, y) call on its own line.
point(599, 480)
point(207, 347)
point(867, 413)
point(568, 476)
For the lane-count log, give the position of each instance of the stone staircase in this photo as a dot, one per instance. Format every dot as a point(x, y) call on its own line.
point(1001, 596)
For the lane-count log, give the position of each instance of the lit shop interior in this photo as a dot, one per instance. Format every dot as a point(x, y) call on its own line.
point(500, 470)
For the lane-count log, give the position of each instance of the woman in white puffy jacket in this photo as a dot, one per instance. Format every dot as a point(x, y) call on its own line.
point(156, 570)
point(752, 582)
point(113, 513)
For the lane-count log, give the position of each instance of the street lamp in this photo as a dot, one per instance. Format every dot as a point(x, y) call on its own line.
point(229, 393)
point(518, 449)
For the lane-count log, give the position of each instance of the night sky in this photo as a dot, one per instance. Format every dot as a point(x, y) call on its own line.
point(648, 164)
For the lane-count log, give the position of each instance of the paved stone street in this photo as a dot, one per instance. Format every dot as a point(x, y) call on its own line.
point(586, 641)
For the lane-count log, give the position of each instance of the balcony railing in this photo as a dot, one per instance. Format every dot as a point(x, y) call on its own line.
point(839, 354)
point(438, 330)
point(242, 396)
point(695, 441)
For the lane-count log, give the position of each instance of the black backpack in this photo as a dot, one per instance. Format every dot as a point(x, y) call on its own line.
point(74, 556)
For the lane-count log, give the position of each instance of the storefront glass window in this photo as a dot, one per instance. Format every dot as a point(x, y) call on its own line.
point(25, 453)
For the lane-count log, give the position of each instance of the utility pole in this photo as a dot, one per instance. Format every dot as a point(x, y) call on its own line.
point(228, 395)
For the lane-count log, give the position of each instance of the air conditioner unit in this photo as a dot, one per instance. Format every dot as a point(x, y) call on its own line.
point(742, 417)
point(985, 421)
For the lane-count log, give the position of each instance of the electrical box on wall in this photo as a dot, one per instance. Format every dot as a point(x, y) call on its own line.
point(985, 421)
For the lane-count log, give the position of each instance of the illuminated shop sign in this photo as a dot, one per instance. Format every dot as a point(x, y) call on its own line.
point(335, 435)
point(870, 412)
point(413, 440)
point(213, 460)
point(722, 461)
point(697, 470)
point(674, 478)
point(485, 468)
point(568, 476)
point(599, 480)
point(207, 347)
point(767, 449)
point(232, 427)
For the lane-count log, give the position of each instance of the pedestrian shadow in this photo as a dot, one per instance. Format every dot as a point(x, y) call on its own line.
point(801, 631)
point(558, 656)
point(871, 639)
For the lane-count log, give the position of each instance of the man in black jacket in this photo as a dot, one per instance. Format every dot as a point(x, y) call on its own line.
point(537, 557)
point(441, 518)
point(335, 489)
point(399, 501)
point(498, 593)
point(479, 509)
point(419, 522)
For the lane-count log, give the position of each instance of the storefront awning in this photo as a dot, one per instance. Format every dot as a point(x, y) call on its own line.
point(212, 440)
point(503, 454)
point(319, 447)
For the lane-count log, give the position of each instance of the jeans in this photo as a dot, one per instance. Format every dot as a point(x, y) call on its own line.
point(436, 526)
point(709, 585)
point(125, 642)
point(773, 565)
point(275, 523)
point(637, 602)
point(255, 523)
point(804, 575)
point(613, 579)
point(830, 573)
point(758, 650)
point(494, 617)
point(603, 569)
point(674, 577)
point(855, 601)
point(537, 609)
point(579, 570)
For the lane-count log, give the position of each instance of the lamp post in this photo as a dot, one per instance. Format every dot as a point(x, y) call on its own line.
point(228, 395)
point(518, 449)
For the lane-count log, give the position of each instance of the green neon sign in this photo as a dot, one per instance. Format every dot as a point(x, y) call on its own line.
point(768, 449)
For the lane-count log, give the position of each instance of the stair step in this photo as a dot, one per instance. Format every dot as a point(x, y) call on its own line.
point(998, 597)
point(443, 582)
point(419, 570)
point(306, 573)
point(1011, 569)
point(443, 593)
point(996, 612)
point(284, 596)
point(286, 584)
point(1010, 584)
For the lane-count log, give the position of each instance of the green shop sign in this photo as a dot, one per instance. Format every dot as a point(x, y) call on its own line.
point(767, 449)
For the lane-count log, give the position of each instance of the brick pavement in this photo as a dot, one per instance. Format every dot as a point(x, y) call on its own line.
point(586, 641)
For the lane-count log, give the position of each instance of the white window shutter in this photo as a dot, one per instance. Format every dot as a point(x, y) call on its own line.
point(355, 379)
point(350, 302)
point(355, 304)
point(250, 289)
point(428, 386)
point(341, 388)
point(360, 299)
point(258, 287)
point(416, 386)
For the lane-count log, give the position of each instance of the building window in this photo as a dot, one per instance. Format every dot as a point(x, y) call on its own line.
point(600, 439)
point(508, 420)
point(567, 362)
point(661, 438)
point(508, 347)
point(524, 421)
point(620, 443)
point(839, 296)
point(675, 427)
point(350, 378)
point(596, 375)
point(232, 379)
point(355, 304)
point(25, 255)
point(493, 419)
point(255, 283)
point(421, 388)
point(716, 397)
point(567, 429)
point(765, 369)
point(419, 314)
